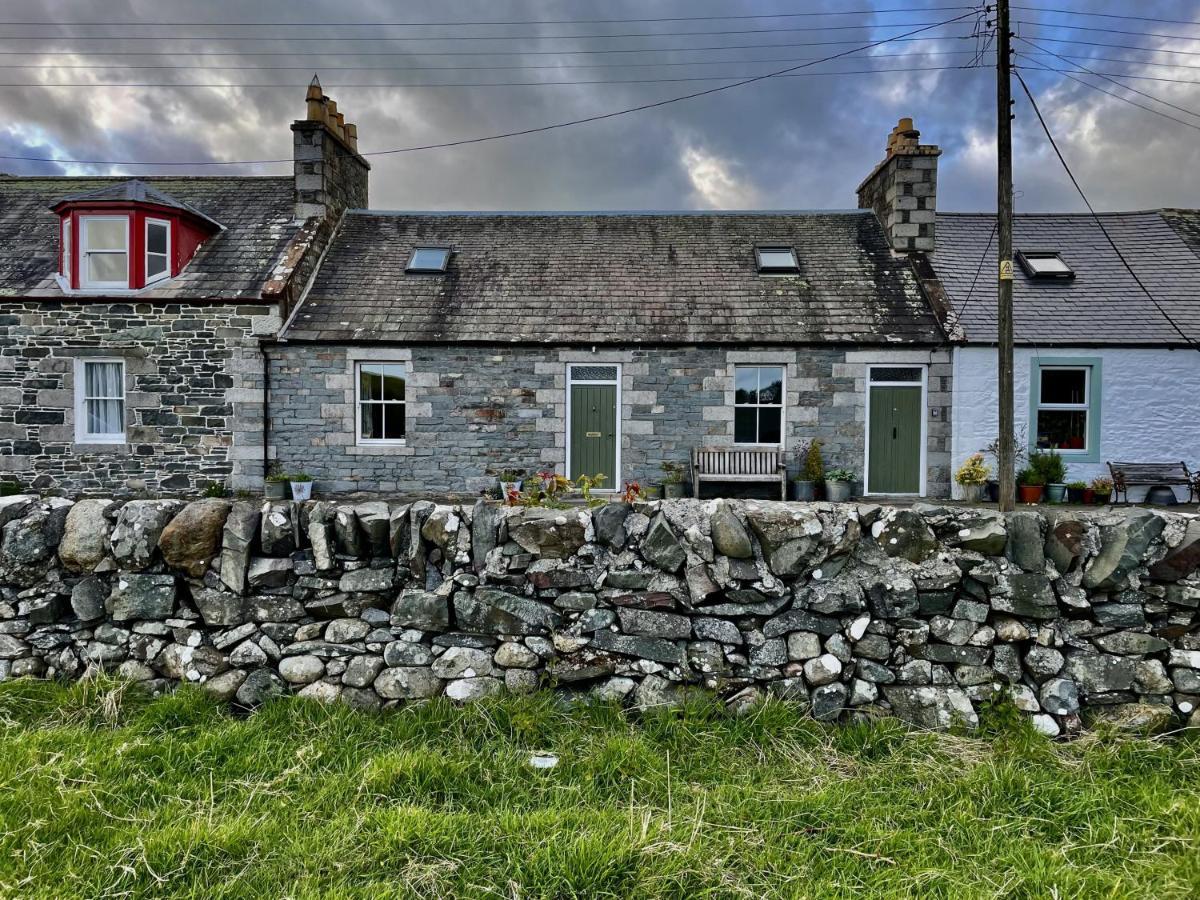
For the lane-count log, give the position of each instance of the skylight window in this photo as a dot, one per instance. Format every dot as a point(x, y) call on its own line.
point(428, 259)
point(776, 260)
point(1044, 264)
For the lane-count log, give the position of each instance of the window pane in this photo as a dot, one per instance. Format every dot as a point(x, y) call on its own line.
point(745, 425)
point(770, 384)
point(1064, 429)
point(156, 264)
point(105, 234)
point(370, 382)
point(769, 426)
point(104, 417)
point(776, 258)
point(156, 238)
point(102, 379)
point(1064, 386)
point(1047, 265)
point(431, 259)
point(393, 383)
point(371, 419)
point(393, 420)
point(106, 267)
point(746, 384)
point(896, 373)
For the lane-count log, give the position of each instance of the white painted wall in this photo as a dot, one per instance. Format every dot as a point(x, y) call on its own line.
point(1150, 405)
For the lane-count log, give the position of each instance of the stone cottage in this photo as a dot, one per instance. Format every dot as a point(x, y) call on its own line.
point(163, 333)
point(131, 313)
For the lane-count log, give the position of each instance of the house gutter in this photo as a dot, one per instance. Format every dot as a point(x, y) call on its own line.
point(266, 440)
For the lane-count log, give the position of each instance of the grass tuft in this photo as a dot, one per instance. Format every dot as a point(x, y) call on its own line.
point(107, 792)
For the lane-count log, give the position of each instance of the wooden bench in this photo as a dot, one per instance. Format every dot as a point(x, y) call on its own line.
point(1125, 474)
point(738, 465)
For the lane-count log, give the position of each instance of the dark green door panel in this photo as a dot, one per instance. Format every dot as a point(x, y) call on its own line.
point(594, 431)
point(895, 450)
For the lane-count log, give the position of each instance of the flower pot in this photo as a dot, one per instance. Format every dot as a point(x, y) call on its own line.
point(972, 493)
point(301, 490)
point(673, 490)
point(1075, 495)
point(1102, 499)
point(1055, 493)
point(804, 491)
point(652, 492)
point(1089, 496)
point(856, 489)
point(275, 490)
point(507, 487)
point(838, 491)
point(993, 491)
point(1029, 493)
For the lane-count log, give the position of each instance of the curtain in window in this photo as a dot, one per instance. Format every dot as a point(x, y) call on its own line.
point(103, 393)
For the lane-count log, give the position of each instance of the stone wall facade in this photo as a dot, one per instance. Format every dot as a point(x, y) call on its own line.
point(193, 394)
point(858, 610)
point(473, 410)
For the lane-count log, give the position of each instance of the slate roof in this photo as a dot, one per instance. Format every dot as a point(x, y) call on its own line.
point(135, 190)
point(1103, 303)
point(256, 213)
point(614, 278)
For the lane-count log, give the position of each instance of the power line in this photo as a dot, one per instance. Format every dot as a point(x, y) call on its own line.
point(1150, 34)
point(467, 84)
point(617, 65)
point(982, 259)
point(410, 24)
point(1119, 46)
point(1106, 75)
point(326, 39)
point(406, 54)
point(1079, 12)
point(522, 132)
point(1096, 218)
point(1182, 109)
point(1044, 67)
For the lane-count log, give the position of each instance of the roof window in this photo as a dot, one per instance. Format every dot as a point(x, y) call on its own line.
point(1044, 264)
point(428, 259)
point(776, 260)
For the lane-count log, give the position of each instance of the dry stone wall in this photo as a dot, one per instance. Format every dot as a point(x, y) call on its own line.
point(855, 609)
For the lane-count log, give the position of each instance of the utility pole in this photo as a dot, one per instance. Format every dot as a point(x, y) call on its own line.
point(1004, 224)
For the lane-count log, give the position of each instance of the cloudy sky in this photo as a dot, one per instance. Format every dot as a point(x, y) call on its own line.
point(789, 142)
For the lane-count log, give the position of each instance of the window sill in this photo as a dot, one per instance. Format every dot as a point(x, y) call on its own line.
point(398, 449)
point(93, 446)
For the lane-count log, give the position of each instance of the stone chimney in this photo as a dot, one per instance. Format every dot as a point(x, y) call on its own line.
point(903, 190)
point(330, 176)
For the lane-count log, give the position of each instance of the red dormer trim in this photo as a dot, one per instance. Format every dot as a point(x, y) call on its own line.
point(187, 234)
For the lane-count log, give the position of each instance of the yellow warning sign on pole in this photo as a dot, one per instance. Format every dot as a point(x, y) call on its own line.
point(1006, 270)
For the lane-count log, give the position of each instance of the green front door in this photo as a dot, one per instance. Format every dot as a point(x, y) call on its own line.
point(594, 431)
point(894, 464)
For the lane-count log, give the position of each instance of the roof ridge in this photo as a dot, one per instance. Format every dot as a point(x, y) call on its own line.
point(609, 212)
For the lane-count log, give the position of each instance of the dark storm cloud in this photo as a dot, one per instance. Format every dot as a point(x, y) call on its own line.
point(801, 142)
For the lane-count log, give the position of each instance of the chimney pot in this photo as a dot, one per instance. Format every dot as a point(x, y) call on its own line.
point(904, 199)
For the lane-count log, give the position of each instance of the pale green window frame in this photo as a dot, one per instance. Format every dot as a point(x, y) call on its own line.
point(1095, 389)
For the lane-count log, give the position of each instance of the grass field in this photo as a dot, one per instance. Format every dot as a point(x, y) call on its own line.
point(104, 793)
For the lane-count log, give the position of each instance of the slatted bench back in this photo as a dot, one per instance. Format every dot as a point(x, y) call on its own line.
point(737, 462)
point(1150, 473)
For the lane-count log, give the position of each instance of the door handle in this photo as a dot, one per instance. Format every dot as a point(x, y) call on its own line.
point(893, 432)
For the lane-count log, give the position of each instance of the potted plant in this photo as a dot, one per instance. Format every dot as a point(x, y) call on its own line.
point(1053, 470)
point(301, 483)
point(971, 476)
point(276, 485)
point(812, 471)
point(1029, 485)
point(1076, 491)
point(652, 492)
point(510, 481)
point(1102, 488)
point(672, 485)
point(839, 484)
point(992, 486)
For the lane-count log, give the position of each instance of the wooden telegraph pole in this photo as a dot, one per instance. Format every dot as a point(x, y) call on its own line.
point(1004, 223)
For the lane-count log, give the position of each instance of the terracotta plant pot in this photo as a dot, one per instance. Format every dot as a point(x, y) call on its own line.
point(1029, 493)
point(1089, 496)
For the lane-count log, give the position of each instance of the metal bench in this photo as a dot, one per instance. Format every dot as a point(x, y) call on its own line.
point(1125, 474)
point(738, 465)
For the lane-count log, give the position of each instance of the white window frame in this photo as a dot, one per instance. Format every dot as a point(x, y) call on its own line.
point(924, 383)
point(781, 405)
point(84, 253)
point(64, 266)
point(82, 435)
point(358, 403)
point(614, 483)
point(1085, 407)
point(146, 254)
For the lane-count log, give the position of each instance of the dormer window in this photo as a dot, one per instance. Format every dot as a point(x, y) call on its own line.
point(158, 250)
point(105, 252)
point(126, 237)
